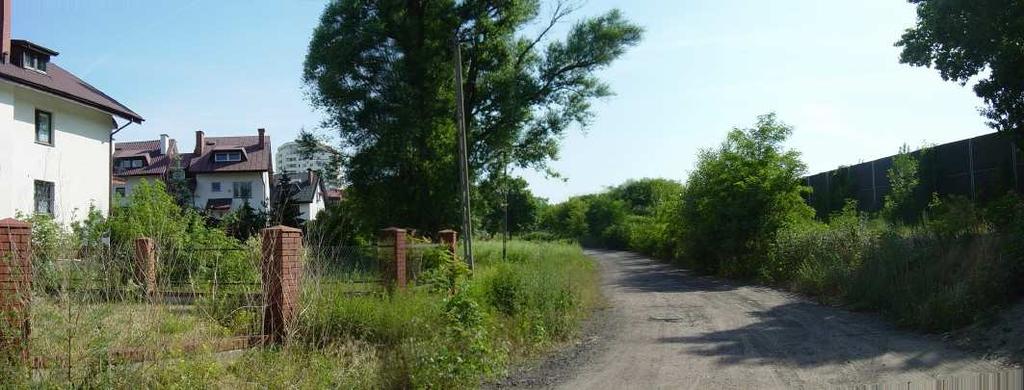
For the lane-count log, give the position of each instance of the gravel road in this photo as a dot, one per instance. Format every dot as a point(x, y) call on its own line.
point(667, 328)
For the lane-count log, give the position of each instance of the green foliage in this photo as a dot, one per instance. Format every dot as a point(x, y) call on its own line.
point(178, 184)
point(568, 219)
point(953, 217)
point(337, 224)
point(151, 212)
point(964, 39)
point(367, 60)
point(903, 181)
point(738, 198)
point(50, 242)
point(450, 330)
point(945, 273)
point(522, 207)
point(284, 210)
point(245, 221)
point(635, 215)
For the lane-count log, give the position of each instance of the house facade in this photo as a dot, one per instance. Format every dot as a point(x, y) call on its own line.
point(308, 191)
point(142, 160)
point(229, 172)
point(55, 133)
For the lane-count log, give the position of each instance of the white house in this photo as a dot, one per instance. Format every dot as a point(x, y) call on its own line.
point(230, 171)
point(308, 192)
point(55, 133)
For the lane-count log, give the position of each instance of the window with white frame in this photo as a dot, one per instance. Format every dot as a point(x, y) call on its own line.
point(34, 61)
point(215, 186)
point(44, 127)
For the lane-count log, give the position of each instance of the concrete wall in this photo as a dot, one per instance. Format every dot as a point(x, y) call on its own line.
point(77, 163)
point(260, 199)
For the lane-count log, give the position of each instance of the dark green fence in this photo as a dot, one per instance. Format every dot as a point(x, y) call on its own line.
point(979, 168)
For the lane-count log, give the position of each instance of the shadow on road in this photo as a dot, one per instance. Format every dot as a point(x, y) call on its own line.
point(809, 335)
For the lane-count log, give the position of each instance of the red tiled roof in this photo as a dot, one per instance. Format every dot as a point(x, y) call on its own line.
point(256, 159)
point(62, 83)
point(150, 150)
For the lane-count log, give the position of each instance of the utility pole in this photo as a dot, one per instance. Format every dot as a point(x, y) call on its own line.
point(504, 233)
point(467, 220)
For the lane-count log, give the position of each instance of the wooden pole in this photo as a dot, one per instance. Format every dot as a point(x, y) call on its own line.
point(467, 225)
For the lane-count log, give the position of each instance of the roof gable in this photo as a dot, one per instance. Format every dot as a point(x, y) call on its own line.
point(60, 82)
point(149, 151)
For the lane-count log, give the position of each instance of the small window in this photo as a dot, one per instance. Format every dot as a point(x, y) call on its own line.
point(130, 163)
point(227, 156)
point(120, 191)
point(243, 189)
point(215, 186)
point(44, 197)
point(34, 61)
point(44, 127)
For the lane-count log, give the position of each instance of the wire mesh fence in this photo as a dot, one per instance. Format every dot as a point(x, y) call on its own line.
point(90, 307)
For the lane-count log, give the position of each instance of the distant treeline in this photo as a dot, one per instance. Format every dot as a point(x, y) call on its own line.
point(980, 168)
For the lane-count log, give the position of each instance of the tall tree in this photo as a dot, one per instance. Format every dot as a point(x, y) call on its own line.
point(507, 197)
point(382, 71)
point(968, 38)
point(177, 184)
point(283, 209)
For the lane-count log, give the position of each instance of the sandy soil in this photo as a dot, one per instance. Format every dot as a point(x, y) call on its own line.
point(667, 328)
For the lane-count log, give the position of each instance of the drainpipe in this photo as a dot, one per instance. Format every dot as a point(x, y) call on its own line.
point(110, 167)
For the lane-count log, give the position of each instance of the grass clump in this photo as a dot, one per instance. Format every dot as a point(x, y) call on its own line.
point(453, 329)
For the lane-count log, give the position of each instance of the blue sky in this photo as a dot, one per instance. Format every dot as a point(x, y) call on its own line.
point(828, 68)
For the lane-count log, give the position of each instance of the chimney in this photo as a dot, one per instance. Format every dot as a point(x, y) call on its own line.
point(164, 144)
point(5, 31)
point(200, 142)
point(309, 175)
point(263, 132)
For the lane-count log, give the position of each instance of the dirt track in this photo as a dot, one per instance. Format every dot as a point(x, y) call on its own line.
point(670, 329)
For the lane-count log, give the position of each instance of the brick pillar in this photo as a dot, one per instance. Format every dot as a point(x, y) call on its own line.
point(15, 287)
point(450, 239)
point(145, 264)
point(392, 240)
point(282, 271)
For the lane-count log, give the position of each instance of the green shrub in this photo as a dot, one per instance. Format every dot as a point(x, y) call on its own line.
point(738, 198)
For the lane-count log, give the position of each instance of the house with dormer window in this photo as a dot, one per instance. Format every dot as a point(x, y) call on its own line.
point(135, 161)
point(55, 133)
point(228, 172)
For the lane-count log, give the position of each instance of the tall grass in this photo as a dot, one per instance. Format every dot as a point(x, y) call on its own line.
point(458, 335)
point(950, 271)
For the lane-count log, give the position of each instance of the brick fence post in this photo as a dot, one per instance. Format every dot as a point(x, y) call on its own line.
point(392, 240)
point(145, 264)
point(282, 272)
point(450, 239)
point(15, 287)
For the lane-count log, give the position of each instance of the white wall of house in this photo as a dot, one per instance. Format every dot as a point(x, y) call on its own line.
point(309, 211)
point(77, 163)
point(260, 188)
